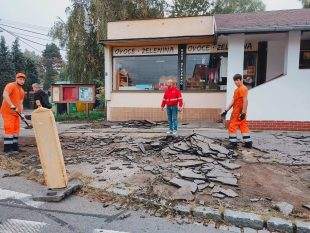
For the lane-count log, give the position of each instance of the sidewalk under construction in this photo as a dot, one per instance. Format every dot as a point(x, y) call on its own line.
point(138, 159)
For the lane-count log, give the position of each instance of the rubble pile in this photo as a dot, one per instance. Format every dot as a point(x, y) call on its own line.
point(142, 124)
point(192, 163)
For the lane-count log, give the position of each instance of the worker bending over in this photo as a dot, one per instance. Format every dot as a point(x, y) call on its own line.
point(13, 97)
point(238, 115)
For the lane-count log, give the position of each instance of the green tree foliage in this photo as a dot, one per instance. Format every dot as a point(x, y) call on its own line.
point(17, 61)
point(182, 8)
point(237, 6)
point(52, 64)
point(18, 57)
point(87, 24)
point(32, 77)
point(206, 7)
point(305, 3)
point(6, 66)
point(31, 73)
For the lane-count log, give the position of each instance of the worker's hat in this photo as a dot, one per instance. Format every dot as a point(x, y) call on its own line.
point(20, 75)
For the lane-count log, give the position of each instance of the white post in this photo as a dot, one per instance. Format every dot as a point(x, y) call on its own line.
point(292, 53)
point(108, 77)
point(235, 62)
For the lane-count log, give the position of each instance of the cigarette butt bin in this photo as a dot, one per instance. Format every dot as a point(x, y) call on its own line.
point(49, 148)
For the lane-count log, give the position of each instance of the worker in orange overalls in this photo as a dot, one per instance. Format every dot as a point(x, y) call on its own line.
point(238, 115)
point(13, 97)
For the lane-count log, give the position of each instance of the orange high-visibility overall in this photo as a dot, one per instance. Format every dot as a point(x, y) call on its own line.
point(235, 121)
point(11, 120)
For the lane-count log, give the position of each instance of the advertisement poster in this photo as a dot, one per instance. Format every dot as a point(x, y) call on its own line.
point(56, 94)
point(86, 94)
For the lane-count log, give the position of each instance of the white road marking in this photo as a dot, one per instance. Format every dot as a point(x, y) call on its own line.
point(21, 226)
point(26, 198)
point(107, 231)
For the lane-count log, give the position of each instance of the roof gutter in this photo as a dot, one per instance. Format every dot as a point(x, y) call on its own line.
point(262, 30)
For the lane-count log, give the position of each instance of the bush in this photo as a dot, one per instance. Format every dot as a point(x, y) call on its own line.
point(94, 115)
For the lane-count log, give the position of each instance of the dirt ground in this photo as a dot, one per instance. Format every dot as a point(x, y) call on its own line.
point(91, 153)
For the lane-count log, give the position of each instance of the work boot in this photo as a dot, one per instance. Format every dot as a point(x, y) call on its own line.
point(8, 145)
point(232, 146)
point(248, 145)
point(15, 146)
point(7, 149)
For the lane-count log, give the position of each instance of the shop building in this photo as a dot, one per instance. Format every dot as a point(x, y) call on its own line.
point(271, 49)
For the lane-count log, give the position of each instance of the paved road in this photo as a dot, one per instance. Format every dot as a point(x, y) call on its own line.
point(18, 213)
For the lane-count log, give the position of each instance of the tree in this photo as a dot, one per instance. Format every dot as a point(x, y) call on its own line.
point(37, 60)
point(305, 3)
point(182, 8)
point(18, 57)
point(237, 6)
point(32, 77)
point(6, 66)
point(87, 24)
point(52, 63)
point(207, 7)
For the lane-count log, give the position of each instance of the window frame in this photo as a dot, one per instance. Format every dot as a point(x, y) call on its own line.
point(200, 91)
point(115, 89)
point(301, 51)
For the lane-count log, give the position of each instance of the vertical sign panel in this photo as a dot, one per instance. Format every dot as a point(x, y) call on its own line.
point(182, 65)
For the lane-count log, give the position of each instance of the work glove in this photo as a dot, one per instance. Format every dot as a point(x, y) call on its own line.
point(223, 114)
point(28, 117)
point(242, 116)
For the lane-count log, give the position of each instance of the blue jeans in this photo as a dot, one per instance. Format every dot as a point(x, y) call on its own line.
point(172, 113)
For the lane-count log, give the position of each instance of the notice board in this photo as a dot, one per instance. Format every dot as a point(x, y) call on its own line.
point(72, 93)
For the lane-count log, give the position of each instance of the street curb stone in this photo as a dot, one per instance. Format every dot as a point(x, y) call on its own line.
point(183, 209)
point(206, 212)
point(237, 218)
point(243, 219)
point(279, 224)
point(302, 227)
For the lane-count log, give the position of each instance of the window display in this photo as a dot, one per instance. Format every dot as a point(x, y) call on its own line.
point(249, 72)
point(144, 73)
point(206, 71)
point(304, 61)
point(201, 67)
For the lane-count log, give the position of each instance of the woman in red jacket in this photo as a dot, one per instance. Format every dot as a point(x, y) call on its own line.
point(174, 102)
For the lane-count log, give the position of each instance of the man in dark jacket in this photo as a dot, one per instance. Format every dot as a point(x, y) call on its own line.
point(40, 97)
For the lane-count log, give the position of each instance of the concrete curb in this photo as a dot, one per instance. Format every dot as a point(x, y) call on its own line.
point(234, 217)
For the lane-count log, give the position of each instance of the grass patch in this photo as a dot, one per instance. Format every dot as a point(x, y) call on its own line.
point(94, 115)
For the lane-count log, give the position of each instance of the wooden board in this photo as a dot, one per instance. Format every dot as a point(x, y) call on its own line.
point(49, 148)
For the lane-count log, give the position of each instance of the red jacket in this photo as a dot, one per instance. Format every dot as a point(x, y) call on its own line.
point(172, 97)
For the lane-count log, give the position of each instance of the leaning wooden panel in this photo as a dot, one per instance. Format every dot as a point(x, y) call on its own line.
point(49, 148)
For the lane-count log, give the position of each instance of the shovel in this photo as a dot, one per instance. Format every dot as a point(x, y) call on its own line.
point(28, 126)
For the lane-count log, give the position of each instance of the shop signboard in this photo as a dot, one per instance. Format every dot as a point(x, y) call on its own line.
point(218, 48)
point(145, 51)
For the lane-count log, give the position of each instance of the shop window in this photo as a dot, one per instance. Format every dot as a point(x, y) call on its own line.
point(249, 71)
point(304, 61)
point(144, 73)
point(206, 72)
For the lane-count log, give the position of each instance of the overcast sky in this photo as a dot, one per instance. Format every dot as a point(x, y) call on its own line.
point(39, 16)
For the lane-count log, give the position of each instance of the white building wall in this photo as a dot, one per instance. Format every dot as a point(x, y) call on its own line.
point(286, 98)
point(153, 100)
point(235, 62)
point(275, 58)
point(168, 27)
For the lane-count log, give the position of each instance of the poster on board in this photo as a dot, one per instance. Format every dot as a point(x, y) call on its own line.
point(56, 94)
point(86, 94)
